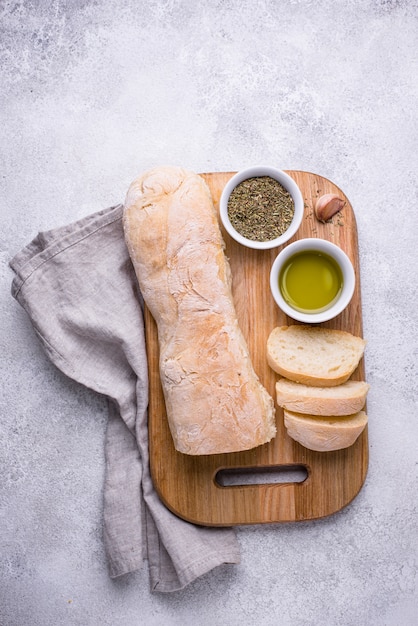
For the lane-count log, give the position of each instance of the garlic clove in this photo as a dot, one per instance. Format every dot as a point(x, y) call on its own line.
point(327, 205)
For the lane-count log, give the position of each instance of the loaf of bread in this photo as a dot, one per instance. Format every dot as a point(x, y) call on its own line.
point(314, 355)
point(324, 434)
point(345, 399)
point(215, 402)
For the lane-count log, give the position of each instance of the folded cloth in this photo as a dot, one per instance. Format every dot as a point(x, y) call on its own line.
point(79, 289)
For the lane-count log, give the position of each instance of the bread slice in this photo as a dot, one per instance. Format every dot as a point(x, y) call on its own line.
point(324, 434)
point(345, 399)
point(314, 355)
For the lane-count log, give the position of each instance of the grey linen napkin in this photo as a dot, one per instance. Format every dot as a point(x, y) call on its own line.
point(79, 289)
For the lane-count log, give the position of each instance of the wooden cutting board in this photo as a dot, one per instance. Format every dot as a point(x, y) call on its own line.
point(247, 487)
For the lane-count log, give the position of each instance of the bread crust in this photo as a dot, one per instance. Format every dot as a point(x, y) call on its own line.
point(345, 399)
point(215, 402)
point(325, 434)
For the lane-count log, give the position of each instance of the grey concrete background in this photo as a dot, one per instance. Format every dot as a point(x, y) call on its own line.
point(92, 93)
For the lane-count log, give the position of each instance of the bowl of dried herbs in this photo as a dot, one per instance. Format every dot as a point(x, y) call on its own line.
point(261, 207)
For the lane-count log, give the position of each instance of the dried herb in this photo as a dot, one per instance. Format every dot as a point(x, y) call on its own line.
point(260, 208)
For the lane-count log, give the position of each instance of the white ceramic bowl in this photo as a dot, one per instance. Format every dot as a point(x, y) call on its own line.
point(286, 181)
point(348, 280)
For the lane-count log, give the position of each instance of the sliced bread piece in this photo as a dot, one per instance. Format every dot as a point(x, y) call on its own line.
point(314, 355)
point(324, 434)
point(345, 399)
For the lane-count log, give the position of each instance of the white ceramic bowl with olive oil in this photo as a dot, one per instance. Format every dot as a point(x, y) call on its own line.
point(261, 207)
point(312, 280)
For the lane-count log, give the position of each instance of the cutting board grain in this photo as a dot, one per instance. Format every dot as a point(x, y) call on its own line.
point(191, 486)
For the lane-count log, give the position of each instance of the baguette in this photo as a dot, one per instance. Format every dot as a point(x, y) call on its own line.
point(345, 399)
point(324, 434)
point(214, 400)
point(314, 355)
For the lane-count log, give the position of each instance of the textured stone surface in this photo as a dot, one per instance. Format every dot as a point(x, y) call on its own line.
point(92, 93)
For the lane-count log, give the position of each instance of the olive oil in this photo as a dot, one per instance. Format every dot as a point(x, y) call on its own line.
point(310, 281)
